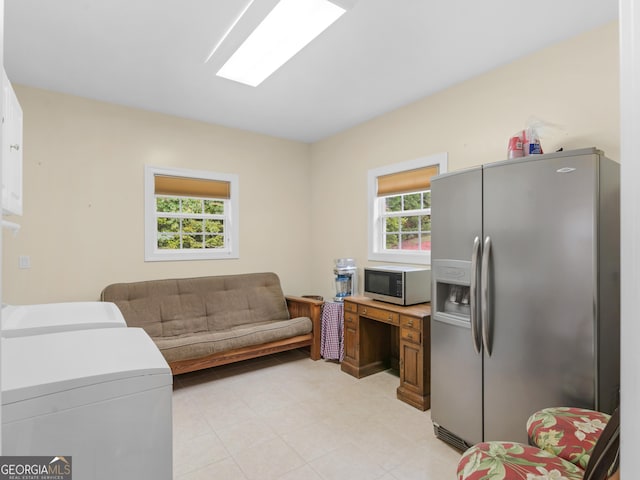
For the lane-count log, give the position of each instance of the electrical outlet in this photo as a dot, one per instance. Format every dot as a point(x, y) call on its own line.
point(24, 261)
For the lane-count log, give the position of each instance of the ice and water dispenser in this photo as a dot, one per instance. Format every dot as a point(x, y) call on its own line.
point(451, 299)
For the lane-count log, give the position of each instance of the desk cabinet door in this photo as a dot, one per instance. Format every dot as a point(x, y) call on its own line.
point(411, 368)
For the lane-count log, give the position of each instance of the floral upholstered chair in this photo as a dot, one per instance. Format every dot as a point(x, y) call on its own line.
point(570, 444)
point(569, 433)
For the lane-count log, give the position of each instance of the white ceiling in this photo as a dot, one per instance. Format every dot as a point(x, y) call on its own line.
point(380, 55)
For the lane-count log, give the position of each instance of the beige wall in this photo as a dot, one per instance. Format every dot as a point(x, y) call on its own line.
point(83, 198)
point(83, 215)
point(573, 85)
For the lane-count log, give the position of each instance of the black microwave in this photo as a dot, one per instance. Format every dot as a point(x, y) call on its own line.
point(398, 284)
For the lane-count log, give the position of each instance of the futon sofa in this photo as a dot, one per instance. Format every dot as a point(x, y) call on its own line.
point(208, 321)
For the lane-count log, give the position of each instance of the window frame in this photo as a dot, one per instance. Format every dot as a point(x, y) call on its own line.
point(376, 251)
point(151, 251)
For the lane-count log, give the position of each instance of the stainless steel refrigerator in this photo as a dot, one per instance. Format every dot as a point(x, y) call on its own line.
point(526, 286)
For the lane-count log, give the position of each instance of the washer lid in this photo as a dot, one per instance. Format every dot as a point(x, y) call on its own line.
point(21, 320)
point(45, 364)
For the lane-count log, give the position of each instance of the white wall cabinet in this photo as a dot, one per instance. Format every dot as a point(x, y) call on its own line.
point(11, 150)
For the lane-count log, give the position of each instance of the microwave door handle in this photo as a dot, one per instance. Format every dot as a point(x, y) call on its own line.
point(473, 288)
point(485, 295)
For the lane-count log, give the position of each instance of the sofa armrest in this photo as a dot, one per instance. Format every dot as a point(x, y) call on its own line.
point(312, 308)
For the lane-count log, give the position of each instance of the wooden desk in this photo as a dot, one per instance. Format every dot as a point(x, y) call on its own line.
point(379, 335)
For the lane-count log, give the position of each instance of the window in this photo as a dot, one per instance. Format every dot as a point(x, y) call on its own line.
point(190, 215)
point(400, 210)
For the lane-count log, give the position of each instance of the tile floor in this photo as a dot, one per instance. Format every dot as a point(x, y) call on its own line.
point(287, 417)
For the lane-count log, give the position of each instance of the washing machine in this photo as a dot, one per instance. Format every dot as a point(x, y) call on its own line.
point(100, 396)
point(23, 320)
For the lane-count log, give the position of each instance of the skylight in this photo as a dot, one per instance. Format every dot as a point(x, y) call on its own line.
point(286, 30)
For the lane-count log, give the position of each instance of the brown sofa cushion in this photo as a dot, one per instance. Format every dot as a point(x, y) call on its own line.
point(202, 344)
point(178, 307)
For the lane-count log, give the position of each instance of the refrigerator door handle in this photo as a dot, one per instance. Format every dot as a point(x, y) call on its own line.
point(473, 288)
point(484, 300)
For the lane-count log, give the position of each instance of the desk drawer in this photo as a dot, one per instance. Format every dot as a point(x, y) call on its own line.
point(379, 314)
point(410, 322)
point(350, 307)
point(350, 319)
point(410, 335)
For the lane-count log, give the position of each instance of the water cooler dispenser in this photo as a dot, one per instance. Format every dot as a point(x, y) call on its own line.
point(346, 280)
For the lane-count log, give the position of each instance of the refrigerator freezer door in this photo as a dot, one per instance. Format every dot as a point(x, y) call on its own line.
point(456, 368)
point(540, 215)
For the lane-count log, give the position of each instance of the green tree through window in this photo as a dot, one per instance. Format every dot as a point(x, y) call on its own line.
point(407, 221)
point(190, 223)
